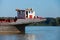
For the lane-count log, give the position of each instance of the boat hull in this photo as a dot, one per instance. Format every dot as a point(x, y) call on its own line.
point(22, 21)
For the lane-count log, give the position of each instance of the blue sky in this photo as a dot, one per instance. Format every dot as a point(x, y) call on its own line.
point(44, 8)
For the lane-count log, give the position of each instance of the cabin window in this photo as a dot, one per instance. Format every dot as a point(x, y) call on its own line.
point(29, 11)
point(26, 13)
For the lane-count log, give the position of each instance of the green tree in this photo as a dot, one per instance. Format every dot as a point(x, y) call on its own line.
point(58, 20)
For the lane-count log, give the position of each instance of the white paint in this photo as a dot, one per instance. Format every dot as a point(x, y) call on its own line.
point(31, 13)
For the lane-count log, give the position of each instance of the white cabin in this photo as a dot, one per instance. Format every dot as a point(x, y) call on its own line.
point(27, 13)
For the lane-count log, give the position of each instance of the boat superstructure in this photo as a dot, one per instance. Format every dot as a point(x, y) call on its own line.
point(23, 17)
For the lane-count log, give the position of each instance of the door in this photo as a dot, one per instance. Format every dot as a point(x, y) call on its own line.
point(30, 16)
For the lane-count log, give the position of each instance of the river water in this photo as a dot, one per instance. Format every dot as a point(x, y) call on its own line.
point(36, 33)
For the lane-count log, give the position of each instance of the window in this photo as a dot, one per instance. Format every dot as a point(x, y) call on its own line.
point(26, 13)
point(29, 11)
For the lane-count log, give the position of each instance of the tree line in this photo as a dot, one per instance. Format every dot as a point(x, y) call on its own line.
point(49, 22)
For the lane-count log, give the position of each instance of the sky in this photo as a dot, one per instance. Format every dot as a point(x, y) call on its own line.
point(43, 8)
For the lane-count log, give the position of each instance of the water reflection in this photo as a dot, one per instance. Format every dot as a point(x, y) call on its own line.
point(44, 32)
point(17, 37)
